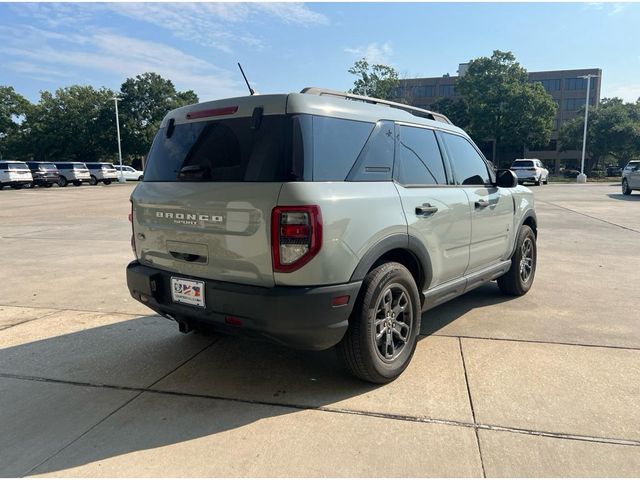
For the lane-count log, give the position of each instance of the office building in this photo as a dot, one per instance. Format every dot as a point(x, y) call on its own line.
point(567, 89)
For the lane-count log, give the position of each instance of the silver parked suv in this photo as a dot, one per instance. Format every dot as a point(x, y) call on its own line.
point(102, 172)
point(322, 218)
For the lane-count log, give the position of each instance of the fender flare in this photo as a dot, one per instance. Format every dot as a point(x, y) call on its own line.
point(398, 241)
point(529, 213)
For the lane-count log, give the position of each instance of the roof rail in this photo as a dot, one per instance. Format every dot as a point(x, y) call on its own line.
point(419, 112)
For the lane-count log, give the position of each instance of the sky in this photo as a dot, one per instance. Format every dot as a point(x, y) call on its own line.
point(284, 47)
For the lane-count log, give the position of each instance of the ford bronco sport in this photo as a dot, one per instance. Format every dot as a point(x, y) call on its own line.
point(322, 218)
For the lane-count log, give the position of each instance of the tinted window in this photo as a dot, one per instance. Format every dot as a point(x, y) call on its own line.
point(468, 165)
point(375, 163)
point(63, 165)
point(229, 150)
point(420, 161)
point(336, 145)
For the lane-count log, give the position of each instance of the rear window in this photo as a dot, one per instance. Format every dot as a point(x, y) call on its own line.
point(522, 164)
point(229, 150)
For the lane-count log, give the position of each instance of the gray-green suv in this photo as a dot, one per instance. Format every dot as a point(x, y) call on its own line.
point(321, 218)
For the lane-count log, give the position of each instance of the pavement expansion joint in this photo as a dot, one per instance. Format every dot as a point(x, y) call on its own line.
point(589, 216)
point(473, 413)
point(522, 340)
point(388, 416)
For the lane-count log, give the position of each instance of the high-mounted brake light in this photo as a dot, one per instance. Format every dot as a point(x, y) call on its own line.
point(212, 112)
point(296, 236)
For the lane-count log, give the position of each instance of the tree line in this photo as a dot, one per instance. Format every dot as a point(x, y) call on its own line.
point(78, 122)
point(502, 110)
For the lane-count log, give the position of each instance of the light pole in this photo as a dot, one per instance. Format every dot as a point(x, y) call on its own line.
point(121, 178)
point(582, 178)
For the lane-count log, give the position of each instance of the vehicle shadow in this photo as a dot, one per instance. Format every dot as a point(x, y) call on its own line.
point(182, 401)
point(628, 198)
point(439, 317)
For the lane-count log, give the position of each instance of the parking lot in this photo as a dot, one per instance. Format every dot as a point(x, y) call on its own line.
point(93, 384)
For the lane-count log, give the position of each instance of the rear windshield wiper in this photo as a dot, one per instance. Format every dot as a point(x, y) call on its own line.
point(196, 171)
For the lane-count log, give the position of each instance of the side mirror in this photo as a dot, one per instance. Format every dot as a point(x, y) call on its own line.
point(506, 179)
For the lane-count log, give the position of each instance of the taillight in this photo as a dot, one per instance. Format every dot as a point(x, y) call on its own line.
point(296, 236)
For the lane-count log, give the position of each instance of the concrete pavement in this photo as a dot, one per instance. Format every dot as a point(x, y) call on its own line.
point(93, 384)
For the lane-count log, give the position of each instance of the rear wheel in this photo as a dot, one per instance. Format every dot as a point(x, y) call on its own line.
point(17, 186)
point(47, 185)
point(107, 182)
point(384, 325)
point(93, 180)
point(625, 187)
point(62, 181)
point(77, 183)
point(519, 279)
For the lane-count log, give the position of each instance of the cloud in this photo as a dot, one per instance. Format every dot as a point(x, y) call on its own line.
point(628, 92)
point(373, 52)
point(613, 8)
point(104, 53)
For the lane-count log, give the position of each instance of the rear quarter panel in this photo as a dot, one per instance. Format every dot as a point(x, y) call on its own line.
point(355, 216)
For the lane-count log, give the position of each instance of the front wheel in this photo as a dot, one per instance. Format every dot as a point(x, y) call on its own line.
point(77, 183)
point(519, 279)
point(625, 187)
point(62, 181)
point(107, 182)
point(384, 325)
point(93, 180)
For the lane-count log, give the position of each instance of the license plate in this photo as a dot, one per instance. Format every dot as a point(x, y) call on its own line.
point(189, 292)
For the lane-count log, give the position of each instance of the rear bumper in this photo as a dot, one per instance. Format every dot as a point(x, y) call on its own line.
point(298, 317)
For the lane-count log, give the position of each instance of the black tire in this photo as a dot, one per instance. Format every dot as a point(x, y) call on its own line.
point(519, 279)
point(77, 183)
point(538, 181)
point(359, 350)
point(92, 181)
point(625, 187)
point(107, 182)
point(16, 187)
point(47, 185)
point(140, 178)
point(62, 181)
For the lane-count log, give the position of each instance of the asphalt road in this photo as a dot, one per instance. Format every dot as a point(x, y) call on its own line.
point(93, 384)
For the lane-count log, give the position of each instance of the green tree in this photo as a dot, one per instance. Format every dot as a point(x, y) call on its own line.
point(457, 110)
point(503, 105)
point(146, 99)
point(74, 123)
point(613, 130)
point(376, 81)
point(13, 108)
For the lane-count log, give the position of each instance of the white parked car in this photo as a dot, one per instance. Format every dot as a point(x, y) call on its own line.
point(15, 174)
point(530, 170)
point(130, 173)
point(629, 167)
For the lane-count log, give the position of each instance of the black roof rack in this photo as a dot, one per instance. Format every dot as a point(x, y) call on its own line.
point(419, 112)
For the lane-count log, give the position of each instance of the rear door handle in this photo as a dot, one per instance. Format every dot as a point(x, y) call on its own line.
point(482, 204)
point(426, 209)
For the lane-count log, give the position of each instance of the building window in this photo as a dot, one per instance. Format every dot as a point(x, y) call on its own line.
point(447, 90)
point(578, 84)
point(572, 104)
point(551, 85)
point(424, 91)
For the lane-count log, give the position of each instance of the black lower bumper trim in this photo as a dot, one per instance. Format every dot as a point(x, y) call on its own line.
point(299, 317)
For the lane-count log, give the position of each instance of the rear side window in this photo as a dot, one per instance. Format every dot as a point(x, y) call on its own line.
point(375, 163)
point(420, 161)
point(336, 146)
point(229, 150)
point(468, 165)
